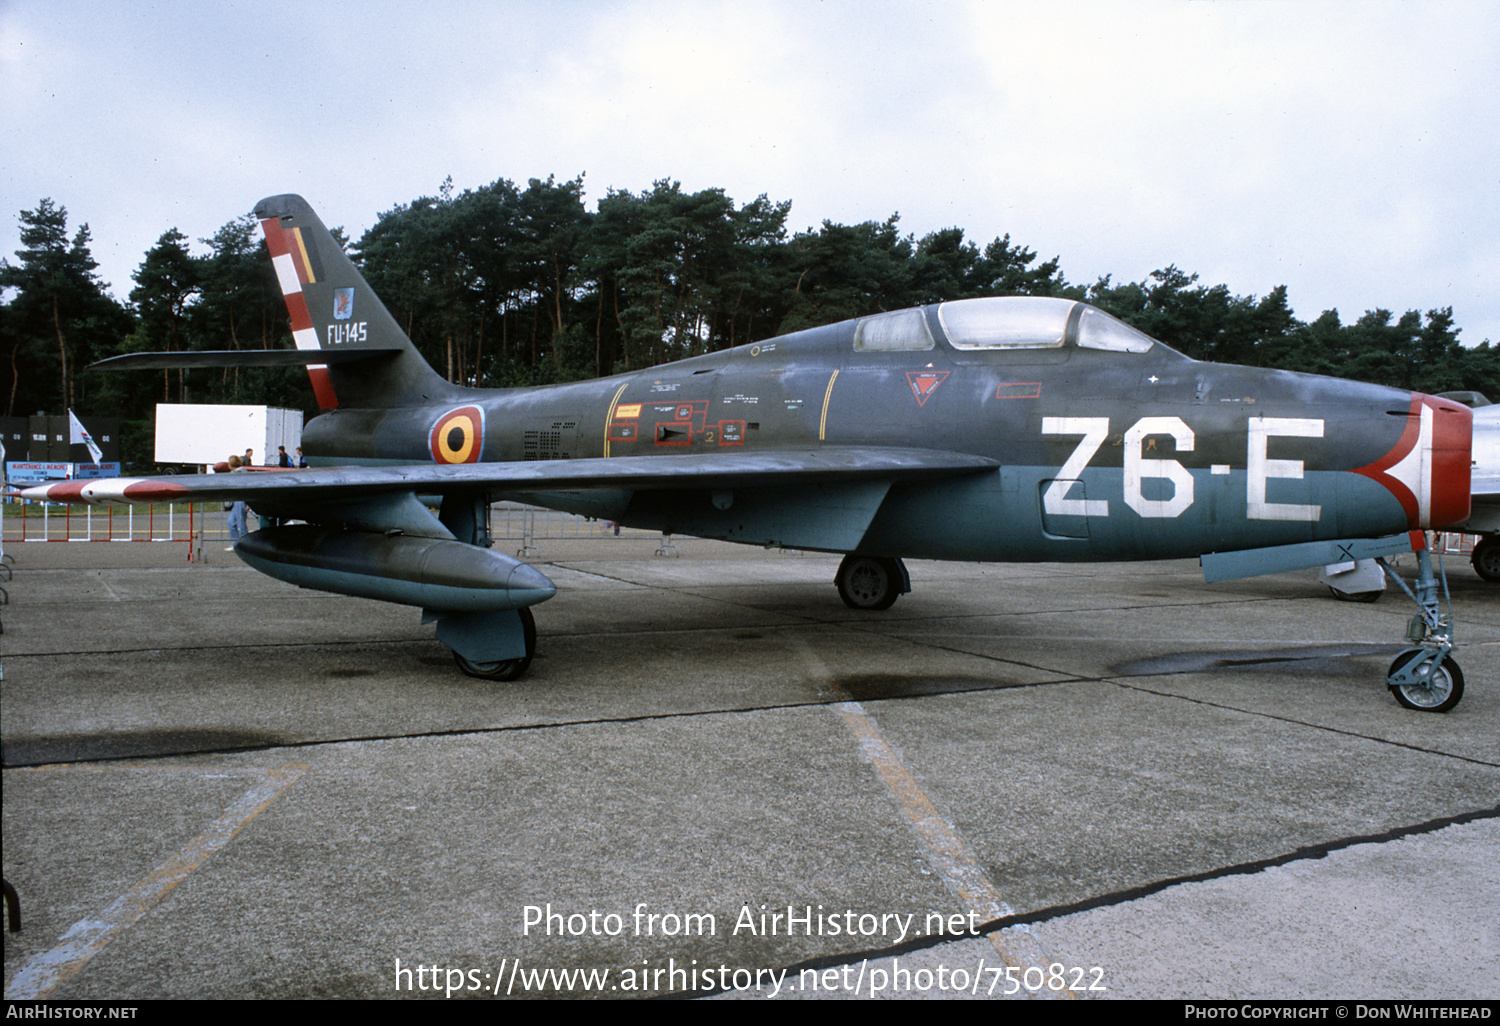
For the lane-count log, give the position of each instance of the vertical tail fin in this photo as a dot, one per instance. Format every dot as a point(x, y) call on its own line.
point(333, 308)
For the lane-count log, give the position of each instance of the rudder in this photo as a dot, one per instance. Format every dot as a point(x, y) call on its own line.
point(333, 309)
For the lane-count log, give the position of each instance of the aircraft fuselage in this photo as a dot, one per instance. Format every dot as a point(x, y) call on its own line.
point(1132, 452)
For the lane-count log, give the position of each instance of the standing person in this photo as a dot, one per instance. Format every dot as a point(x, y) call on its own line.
point(282, 459)
point(237, 528)
point(301, 459)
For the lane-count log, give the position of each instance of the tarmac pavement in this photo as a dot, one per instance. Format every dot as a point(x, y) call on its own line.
point(717, 780)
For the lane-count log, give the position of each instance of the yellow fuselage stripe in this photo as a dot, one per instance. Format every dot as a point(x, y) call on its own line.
point(609, 418)
point(827, 395)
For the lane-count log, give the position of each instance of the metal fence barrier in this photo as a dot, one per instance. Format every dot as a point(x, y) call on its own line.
point(46, 521)
point(200, 524)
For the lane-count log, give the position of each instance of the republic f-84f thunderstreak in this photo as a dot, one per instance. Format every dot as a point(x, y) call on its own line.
point(1001, 429)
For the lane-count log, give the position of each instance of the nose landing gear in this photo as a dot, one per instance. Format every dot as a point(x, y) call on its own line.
point(1425, 677)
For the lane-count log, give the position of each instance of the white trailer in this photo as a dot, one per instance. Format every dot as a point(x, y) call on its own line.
point(209, 434)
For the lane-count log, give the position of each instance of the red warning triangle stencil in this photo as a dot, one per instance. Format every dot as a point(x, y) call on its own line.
point(924, 383)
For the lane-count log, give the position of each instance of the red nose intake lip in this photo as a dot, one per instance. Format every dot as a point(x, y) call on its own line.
point(1427, 469)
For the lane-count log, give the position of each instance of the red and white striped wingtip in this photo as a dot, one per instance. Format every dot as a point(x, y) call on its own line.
point(120, 491)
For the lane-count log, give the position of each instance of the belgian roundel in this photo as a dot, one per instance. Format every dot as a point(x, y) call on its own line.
point(458, 436)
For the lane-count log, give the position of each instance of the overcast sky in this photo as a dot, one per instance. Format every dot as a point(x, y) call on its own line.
point(1350, 151)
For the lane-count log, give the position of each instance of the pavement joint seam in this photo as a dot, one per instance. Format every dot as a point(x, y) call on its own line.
point(470, 731)
point(1262, 714)
point(1112, 899)
point(769, 707)
point(1306, 853)
point(1123, 682)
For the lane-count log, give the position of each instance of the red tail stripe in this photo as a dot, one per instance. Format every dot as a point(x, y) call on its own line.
point(276, 240)
point(296, 308)
point(280, 242)
point(322, 386)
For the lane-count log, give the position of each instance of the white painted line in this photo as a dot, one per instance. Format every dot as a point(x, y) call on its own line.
point(942, 844)
point(945, 848)
point(44, 973)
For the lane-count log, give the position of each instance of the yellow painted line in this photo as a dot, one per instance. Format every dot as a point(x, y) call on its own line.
point(945, 849)
point(609, 418)
point(306, 263)
point(827, 395)
point(86, 938)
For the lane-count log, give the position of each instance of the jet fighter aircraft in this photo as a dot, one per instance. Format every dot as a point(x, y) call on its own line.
point(1000, 429)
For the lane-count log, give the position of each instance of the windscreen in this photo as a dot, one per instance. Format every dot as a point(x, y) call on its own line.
point(891, 332)
point(1098, 330)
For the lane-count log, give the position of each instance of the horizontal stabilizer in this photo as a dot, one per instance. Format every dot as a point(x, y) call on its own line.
point(238, 358)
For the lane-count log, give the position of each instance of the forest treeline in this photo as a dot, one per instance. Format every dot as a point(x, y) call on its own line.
point(506, 285)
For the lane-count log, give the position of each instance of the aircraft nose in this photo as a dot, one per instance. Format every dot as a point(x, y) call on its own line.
point(527, 585)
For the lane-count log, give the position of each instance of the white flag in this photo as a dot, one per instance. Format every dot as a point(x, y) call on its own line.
point(77, 433)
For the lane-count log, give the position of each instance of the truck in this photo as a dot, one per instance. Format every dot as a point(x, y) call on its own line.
point(208, 434)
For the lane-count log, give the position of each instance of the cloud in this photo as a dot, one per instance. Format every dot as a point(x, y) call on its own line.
point(1345, 150)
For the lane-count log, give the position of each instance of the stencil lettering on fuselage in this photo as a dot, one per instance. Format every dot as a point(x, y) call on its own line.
point(1055, 499)
point(1259, 468)
point(1138, 468)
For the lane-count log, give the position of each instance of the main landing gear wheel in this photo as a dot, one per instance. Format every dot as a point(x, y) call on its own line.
point(1439, 694)
point(866, 582)
point(504, 669)
point(1486, 557)
point(1355, 596)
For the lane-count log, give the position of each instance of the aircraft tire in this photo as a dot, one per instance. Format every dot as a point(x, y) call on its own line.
point(1355, 596)
point(1443, 694)
point(1486, 557)
point(866, 582)
point(504, 669)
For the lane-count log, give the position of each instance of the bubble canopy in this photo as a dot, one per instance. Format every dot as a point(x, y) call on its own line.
point(1036, 322)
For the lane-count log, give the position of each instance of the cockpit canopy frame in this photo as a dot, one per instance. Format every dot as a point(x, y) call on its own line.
point(1001, 323)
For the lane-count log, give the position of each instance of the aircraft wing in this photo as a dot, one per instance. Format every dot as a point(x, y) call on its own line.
point(825, 466)
point(198, 358)
point(813, 499)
